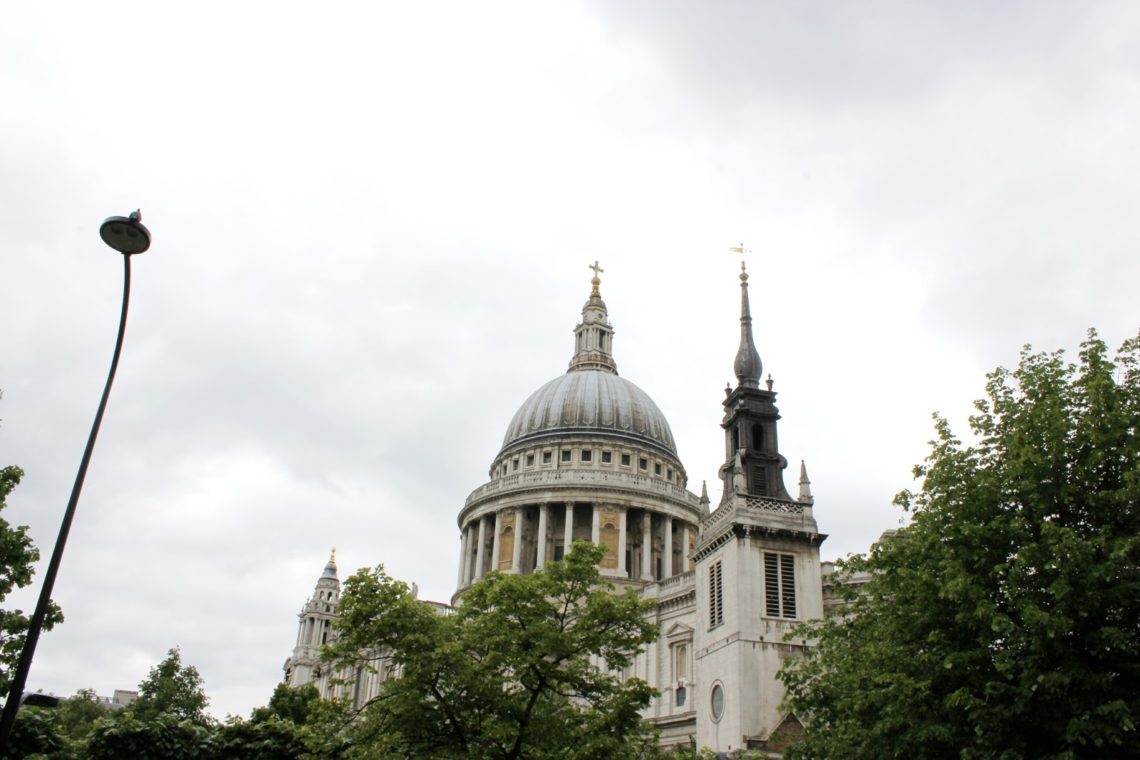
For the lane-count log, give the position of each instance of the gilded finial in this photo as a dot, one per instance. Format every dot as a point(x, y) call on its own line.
point(332, 557)
point(596, 281)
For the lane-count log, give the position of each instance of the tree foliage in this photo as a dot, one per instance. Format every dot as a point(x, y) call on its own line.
point(78, 715)
point(524, 668)
point(162, 736)
point(17, 557)
point(292, 703)
point(36, 734)
point(171, 689)
point(1004, 621)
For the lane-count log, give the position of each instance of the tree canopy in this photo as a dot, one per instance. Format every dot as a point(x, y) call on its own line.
point(1004, 620)
point(17, 557)
point(171, 689)
point(526, 667)
point(292, 703)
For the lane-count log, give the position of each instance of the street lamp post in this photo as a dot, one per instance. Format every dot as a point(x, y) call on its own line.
point(128, 236)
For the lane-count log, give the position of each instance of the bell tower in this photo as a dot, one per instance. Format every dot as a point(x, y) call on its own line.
point(757, 567)
point(314, 631)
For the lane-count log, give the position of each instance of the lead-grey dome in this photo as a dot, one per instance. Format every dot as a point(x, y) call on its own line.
point(590, 402)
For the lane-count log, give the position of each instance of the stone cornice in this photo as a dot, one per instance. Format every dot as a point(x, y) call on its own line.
point(738, 530)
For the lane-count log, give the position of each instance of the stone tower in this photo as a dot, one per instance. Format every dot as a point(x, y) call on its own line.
point(314, 631)
point(757, 563)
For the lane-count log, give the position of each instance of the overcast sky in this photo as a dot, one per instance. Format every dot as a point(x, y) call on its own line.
point(372, 225)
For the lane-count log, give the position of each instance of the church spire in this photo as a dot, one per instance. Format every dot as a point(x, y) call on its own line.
point(753, 464)
point(748, 367)
point(593, 336)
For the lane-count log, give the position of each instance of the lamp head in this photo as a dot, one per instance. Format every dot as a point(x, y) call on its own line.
point(127, 235)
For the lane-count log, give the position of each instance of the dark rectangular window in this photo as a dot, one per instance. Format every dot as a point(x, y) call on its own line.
point(566, 455)
point(625, 460)
point(514, 464)
point(587, 455)
point(546, 457)
point(530, 460)
point(759, 484)
point(716, 596)
point(643, 463)
point(607, 457)
point(779, 585)
point(656, 469)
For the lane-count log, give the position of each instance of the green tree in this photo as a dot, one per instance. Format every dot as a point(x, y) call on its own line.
point(157, 737)
point(36, 734)
point(78, 715)
point(513, 673)
point(270, 739)
point(1004, 621)
point(17, 557)
point(290, 703)
point(172, 689)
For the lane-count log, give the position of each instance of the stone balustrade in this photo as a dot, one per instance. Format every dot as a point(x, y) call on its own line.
point(576, 477)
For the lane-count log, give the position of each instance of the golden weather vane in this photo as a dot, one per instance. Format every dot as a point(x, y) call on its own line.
point(742, 251)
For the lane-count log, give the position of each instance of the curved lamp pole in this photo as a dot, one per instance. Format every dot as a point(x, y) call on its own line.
point(128, 236)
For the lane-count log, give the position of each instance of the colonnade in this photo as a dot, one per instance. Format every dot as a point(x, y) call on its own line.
point(523, 539)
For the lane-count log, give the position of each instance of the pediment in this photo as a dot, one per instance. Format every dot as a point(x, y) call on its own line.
point(678, 631)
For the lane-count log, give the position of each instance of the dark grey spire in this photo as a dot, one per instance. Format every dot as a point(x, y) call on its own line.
point(747, 365)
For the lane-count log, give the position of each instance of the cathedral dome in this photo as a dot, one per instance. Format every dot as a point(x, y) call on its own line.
point(591, 402)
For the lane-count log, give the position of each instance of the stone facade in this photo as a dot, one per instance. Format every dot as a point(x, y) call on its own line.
point(589, 456)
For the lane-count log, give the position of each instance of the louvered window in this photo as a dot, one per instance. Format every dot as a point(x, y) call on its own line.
point(716, 596)
point(779, 585)
point(759, 484)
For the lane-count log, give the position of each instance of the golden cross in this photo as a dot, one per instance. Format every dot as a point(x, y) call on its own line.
point(597, 269)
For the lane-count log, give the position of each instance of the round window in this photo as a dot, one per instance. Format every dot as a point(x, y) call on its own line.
point(717, 702)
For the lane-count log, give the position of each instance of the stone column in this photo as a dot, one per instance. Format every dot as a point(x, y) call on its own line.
point(516, 555)
point(481, 548)
point(595, 526)
point(568, 537)
point(495, 541)
point(684, 547)
point(667, 553)
point(540, 556)
point(623, 571)
point(646, 546)
point(459, 582)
